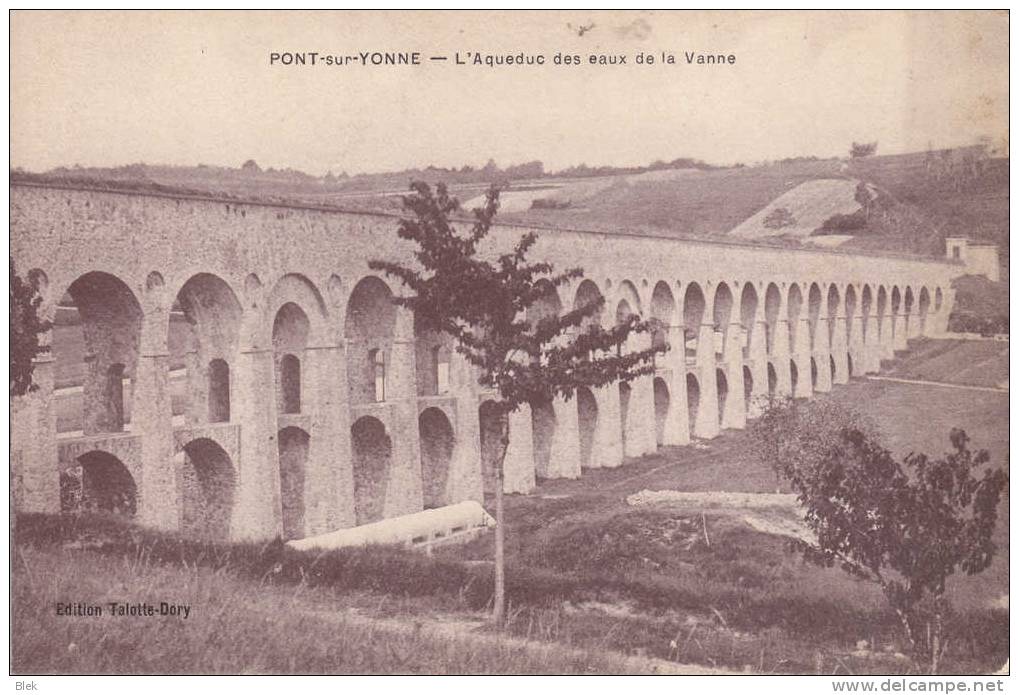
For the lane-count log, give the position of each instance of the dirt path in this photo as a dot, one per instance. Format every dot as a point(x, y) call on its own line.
point(922, 382)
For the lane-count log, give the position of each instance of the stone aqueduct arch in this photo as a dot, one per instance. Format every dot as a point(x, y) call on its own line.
point(276, 385)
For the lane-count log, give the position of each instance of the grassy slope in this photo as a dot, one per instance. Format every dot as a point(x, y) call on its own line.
point(712, 203)
point(587, 570)
point(976, 208)
point(791, 610)
point(974, 363)
point(236, 626)
point(701, 203)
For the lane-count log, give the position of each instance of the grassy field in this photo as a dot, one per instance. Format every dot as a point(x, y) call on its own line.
point(240, 626)
point(589, 576)
point(705, 203)
point(685, 202)
point(965, 362)
point(729, 580)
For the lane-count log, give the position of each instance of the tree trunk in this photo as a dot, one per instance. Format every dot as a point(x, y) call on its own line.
point(499, 596)
point(914, 647)
point(937, 642)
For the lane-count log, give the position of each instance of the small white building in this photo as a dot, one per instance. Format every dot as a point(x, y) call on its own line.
point(979, 257)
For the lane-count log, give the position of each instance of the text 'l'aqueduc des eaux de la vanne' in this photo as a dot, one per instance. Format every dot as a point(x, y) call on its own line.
point(494, 59)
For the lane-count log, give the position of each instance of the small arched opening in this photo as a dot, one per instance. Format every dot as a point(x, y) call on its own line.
point(207, 490)
point(369, 331)
point(587, 424)
point(289, 384)
point(589, 297)
point(794, 306)
point(289, 339)
point(772, 307)
point(794, 376)
point(748, 316)
point(748, 387)
point(624, 410)
point(661, 409)
point(813, 311)
point(629, 305)
point(102, 484)
point(772, 380)
point(723, 393)
point(722, 316)
point(547, 306)
point(882, 308)
point(833, 311)
point(204, 326)
point(432, 355)
point(543, 426)
point(437, 441)
point(115, 397)
point(219, 391)
point(866, 307)
point(850, 311)
point(373, 456)
point(693, 316)
point(293, 456)
point(96, 338)
point(663, 309)
point(624, 310)
point(377, 373)
point(693, 400)
point(923, 307)
point(813, 373)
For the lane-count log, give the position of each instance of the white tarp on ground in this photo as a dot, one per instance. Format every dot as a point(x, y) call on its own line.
point(420, 527)
point(774, 513)
point(733, 500)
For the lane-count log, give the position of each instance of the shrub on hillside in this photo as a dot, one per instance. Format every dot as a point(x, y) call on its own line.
point(862, 149)
point(843, 224)
point(779, 218)
point(549, 204)
point(905, 525)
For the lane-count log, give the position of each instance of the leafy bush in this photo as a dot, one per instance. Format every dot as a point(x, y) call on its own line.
point(862, 149)
point(907, 526)
point(779, 218)
point(841, 224)
point(26, 329)
point(549, 204)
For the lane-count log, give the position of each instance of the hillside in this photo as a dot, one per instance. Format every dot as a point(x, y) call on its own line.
point(902, 203)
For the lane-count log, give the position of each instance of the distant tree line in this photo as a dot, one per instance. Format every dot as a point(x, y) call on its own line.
point(583, 170)
point(250, 170)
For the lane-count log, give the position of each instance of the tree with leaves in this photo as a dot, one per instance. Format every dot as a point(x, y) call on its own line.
point(905, 525)
point(482, 303)
point(26, 329)
point(862, 149)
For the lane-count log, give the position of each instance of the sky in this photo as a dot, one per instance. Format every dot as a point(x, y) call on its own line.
point(110, 88)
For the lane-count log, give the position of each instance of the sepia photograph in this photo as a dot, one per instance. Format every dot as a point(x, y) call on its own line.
point(492, 342)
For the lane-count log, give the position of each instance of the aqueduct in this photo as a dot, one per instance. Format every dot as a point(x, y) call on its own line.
point(234, 369)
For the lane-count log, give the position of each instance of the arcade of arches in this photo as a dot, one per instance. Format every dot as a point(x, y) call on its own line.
point(257, 404)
